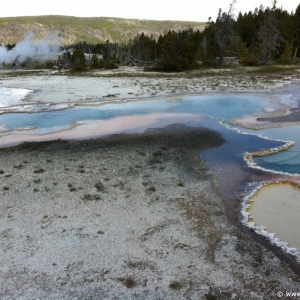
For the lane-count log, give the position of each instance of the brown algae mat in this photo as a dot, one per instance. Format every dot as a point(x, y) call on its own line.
point(125, 217)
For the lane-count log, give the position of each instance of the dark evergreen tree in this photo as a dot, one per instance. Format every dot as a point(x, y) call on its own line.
point(78, 61)
point(269, 37)
point(286, 57)
point(95, 62)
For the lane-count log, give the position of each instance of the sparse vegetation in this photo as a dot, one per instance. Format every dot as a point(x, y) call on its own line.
point(274, 69)
point(128, 282)
point(20, 166)
point(175, 285)
point(110, 96)
point(99, 186)
point(151, 189)
point(71, 187)
point(89, 197)
point(140, 265)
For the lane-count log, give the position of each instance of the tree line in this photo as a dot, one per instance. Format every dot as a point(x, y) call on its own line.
point(263, 36)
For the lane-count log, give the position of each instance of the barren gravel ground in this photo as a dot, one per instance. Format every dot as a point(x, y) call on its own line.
point(125, 217)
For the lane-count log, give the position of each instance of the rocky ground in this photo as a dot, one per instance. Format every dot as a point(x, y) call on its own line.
point(125, 217)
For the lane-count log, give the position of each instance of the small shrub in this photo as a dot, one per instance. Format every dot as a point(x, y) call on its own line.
point(99, 186)
point(110, 96)
point(140, 265)
point(38, 171)
point(179, 183)
point(128, 282)
point(151, 189)
point(89, 197)
point(1, 171)
point(20, 166)
point(175, 285)
point(38, 180)
point(5, 188)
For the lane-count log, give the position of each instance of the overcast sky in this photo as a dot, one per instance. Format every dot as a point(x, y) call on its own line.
point(185, 10)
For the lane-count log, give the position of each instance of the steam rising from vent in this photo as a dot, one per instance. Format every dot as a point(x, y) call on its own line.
point(42, 49)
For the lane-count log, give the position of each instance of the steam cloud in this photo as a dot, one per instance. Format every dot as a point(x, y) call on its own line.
point(42, 49)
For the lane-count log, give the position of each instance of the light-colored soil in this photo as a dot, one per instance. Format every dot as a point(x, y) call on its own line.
point(125, 217)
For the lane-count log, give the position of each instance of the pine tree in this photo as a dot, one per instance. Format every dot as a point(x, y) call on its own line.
point(286, 56)
point(95, 62)
point(78, 60)
point(238, 49)
point(269, 37)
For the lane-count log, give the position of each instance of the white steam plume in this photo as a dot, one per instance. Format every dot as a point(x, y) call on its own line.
point(42, 49)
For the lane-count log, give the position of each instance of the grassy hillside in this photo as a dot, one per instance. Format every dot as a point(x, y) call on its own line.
point(74, 29)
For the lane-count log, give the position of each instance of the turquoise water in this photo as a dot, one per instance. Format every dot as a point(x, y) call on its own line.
point(225, 107)
point(285, 161)
point(218, 106)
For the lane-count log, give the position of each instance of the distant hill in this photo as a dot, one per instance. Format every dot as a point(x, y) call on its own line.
point(93, 30)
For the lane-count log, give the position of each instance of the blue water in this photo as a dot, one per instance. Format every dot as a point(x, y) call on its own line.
point(225, 107)
point(285, 161)
point(220, 107)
